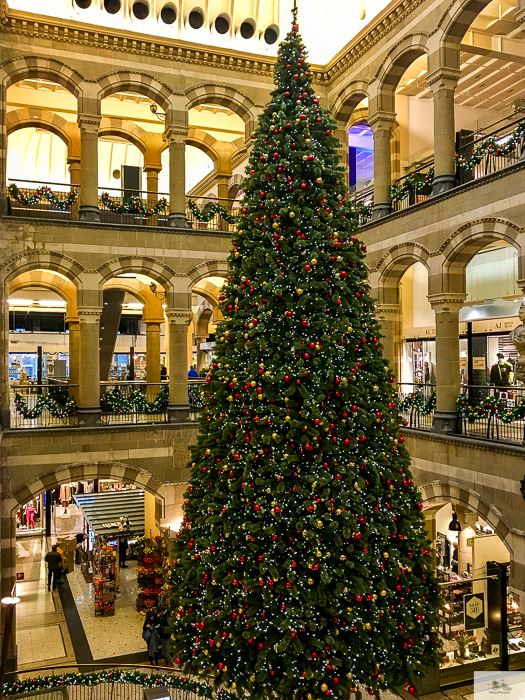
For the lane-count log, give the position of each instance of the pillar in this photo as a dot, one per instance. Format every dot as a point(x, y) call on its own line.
point(176, 137)
point(443, 82)
point(152, 181)
point(3, 150)
point(446, 308)
point(5, 410)
point(222, 192)
point(89, 366)
point(201, 354)
point(342, 134)
point(389, 317)
point(74, 357)
point(75, 178)
point(153, 354)
point(89, 125)
point(381, 124)
point(178, 321)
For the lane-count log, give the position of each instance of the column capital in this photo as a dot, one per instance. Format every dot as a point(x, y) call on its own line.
point(381, 120)
point(89, 313)
point(447, 303)
point(175, 133)
point(387, 311)
point(152, 168)
point(89, 123)
point(179, 317)
point(443, 79)
point(72, 319)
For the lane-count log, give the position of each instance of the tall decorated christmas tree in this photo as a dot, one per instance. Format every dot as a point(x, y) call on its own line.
point(302, 567)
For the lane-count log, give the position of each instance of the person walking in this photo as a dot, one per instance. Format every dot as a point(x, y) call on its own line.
point(53, 560)
point(165, 636)
point(61, 568)
point(150, 634)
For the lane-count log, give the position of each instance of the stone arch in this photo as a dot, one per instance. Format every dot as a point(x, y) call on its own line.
point(458, 18)
point(87, 471)
point(150, 267)
point(212, 268)
point(48, 280)
point(112, 126)
point(203, 319)
point(44, 68)
point(394, 265)
point(437, 492)
point(41, 119)
point(348, 99)
point(141, 83)
point(394, 66)
point(41, 260)
point(225, 96)
point(153, 310)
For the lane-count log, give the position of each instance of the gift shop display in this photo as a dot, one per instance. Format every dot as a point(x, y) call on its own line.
point(151, 571)
point(105, 577)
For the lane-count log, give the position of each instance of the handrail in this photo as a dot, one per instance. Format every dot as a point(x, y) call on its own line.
point(133, 189)
point(42, 182)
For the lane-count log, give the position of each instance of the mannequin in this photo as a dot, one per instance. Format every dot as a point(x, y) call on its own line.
point(30, 516)
point(517, 337)
point(65, 496)
point(501, 373)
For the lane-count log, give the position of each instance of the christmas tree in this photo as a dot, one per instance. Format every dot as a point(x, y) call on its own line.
point(302, 567)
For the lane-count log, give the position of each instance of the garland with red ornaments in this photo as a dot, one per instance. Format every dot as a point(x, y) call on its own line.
point(133, 205)
point(43, 192)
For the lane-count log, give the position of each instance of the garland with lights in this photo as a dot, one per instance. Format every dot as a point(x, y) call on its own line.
point(412, 183)
point(133, 205)
point(301, 568)
point(214, 209)
point(113, 401)
point(195, 395)
point(139, 678)
point(416, 401)
point(362, 210)
point(45, 402)
point(491, 406)
point(43, 192)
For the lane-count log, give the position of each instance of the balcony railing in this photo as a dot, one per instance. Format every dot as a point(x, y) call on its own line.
point(42, 200)
point(134, 208)
point(204, 215)
point(416, 405)
point(42, 406)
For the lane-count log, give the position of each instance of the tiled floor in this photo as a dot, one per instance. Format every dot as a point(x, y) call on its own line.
point(110, 636)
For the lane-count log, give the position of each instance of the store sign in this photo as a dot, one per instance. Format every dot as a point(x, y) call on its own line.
point(110, 525)
point(474, 611)
point(478, 363)
point(207, 346)
point(20, 576)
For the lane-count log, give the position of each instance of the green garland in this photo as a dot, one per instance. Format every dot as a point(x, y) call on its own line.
point(195, 395)
point(133, 205)
point(140, 678)
point(45, 402)
point(491, 406)
point(113, 401)
point(362, 209)
point(208, 216)
point(417, 401)
point(490, 146)
point(43, 193)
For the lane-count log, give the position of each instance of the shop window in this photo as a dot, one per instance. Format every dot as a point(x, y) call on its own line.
point(360, 156)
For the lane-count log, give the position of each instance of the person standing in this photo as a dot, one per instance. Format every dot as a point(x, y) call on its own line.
point(193, 374)
point(150, 634)
point(163, 373)
point(165, 636)
point(62, 565)
point(122, 550)
point(53, 560)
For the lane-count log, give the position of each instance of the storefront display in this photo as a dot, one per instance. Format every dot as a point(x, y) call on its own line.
point(29, 518)
point(152, 558)
point(105, 577)
point(23, 366)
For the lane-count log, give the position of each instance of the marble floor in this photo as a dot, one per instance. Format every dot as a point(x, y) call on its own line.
point(120, 634)
point(42, 634)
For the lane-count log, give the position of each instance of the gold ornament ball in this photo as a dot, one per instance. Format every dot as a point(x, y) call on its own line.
point(383, 593)
point(386, 555)
point(314, 261)
point(324, 687)
point(291, 215)
point(319, 523)
point(368, 626)
point(310, 581)
point(252, 679)
point(205, 652)
point(234, 685)
point(299, 291)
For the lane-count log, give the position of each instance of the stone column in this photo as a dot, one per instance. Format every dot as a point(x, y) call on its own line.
point(342, 135)
point(3, 151)
point(89, 365)
point(74, 355)
point(447, 307)
point(5, 409)
point(178, 320)
point(389, 316)
point(75, 178)
point(201, 354)
point(176, 137)
point(89, 125)
point(152, 181)
point(222, 192)
point(153, 354)
point(443, 82)
point(381, 124)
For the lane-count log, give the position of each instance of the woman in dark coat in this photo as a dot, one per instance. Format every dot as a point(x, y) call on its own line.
point(150, 634)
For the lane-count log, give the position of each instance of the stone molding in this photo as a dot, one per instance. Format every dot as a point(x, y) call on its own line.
point(446, 303)
point(443, 79)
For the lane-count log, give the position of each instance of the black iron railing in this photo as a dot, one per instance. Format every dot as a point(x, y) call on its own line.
point(43, 405)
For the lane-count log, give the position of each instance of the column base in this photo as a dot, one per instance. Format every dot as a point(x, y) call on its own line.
point(178, 413)
point(445, 422)
point(178, 219)
point(381, 209)
point(89, 416)
point(5, 419)
point(3, 204)
point(443, 183)
point(87, 212)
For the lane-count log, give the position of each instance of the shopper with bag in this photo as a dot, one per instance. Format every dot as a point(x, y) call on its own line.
point(150, 634)
point(165, 636)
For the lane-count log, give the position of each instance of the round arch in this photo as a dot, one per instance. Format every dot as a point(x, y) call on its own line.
point(394, 265)
point(140, 83)
point(458, 18)
point(468, 240)
point(203, 141)
point(395, 65)
point(224, 96)
point(45, 279)
point(440, 492)
point(125, 129)
point(43, 68)
point(150, 267)
point(212, 268)
point(87, 472)
point(202, 322)
point(41, 119)
point(41, 260)
point(348, 99)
